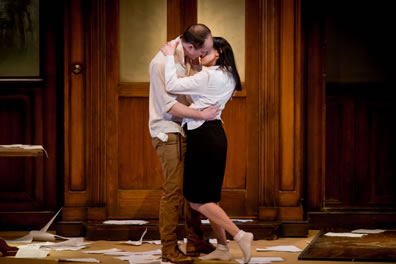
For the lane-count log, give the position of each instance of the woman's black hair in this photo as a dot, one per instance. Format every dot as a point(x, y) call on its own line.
point(226, 59)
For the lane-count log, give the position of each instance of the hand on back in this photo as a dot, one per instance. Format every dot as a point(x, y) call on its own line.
point(169, 49)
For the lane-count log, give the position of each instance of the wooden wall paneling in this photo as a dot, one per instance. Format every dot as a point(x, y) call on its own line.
point(112, 48)
point(96, 75)
point(281, 80)
point(316, 116)
point(76, 196)
point(180, 15)
point(253, 104)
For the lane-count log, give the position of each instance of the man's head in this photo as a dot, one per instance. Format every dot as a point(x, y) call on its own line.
point(197, 41)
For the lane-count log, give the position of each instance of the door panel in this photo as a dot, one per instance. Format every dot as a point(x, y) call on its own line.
point(135, 188)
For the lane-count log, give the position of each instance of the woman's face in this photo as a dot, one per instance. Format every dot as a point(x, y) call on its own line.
point(210, 58)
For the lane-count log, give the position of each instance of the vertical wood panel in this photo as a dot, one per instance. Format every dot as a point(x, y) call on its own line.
point(287, 95)
point(77, 104)
point(138, 165)
point(236, 130)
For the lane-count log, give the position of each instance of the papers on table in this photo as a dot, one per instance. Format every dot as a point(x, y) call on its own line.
point(368, 231)
point(125, 222)
point(332, 234)
point(280, 248)
point(79, 260)
point(262, 260)
point(41, 235)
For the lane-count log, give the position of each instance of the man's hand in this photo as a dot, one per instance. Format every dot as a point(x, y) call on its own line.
point(210, 112)
point(169, 49)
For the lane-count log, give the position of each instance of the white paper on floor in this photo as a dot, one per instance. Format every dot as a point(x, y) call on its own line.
point(332, 234)
point(136, 243)
point(102, 251)
point(41, 235)
point(79, 260)
point(368, 231)
point(31, 252)
point(75, 243)
point(280, 248)
point(242, 220)
point(146, 259)
point(125, 222)
point(214, 240)
point(262, 260)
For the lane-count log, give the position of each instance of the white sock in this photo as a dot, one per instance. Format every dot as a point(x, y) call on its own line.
point(222, 252)
point(244, 240)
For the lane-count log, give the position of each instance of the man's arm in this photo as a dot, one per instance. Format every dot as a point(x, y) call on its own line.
point(181, 110)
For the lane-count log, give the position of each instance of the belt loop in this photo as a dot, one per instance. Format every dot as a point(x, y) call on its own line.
point(180, 147)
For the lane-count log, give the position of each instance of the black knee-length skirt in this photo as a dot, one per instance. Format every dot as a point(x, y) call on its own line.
point(204, 163)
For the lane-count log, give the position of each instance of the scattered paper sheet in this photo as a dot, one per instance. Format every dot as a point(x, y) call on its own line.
point(79, 260)
point(21, 146)
point(31, 252)
point(102, 251)
point(214, 240)
point(368, 231)
point(142, 259)
point(125, 222)
point(331, 234)
point(280, 248)
point(136, 243)
point(41, 235)
point(154, 242)
point(242, 220)
point(261, 260)
point(76, 243)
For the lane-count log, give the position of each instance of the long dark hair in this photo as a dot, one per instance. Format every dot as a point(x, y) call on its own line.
point(226, 59)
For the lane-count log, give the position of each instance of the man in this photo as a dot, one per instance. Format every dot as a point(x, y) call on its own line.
point(166, 112)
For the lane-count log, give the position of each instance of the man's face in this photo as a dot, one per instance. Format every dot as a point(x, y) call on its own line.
point(193, 53)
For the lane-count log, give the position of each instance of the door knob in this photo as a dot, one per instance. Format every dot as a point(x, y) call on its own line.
point(77, 68)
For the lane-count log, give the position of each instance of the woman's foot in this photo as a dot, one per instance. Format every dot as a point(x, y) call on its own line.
point(222, 252)
point(244, 240)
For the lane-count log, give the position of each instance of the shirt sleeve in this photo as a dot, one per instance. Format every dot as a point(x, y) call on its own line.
point(163, 100)
point(192, 85)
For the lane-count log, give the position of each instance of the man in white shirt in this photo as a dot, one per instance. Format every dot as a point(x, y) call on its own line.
point(166, 113)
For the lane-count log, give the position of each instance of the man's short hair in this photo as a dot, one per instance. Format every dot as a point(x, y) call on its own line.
point(196, 34)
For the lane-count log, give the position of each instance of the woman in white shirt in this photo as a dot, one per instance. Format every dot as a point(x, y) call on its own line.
point(205, 158)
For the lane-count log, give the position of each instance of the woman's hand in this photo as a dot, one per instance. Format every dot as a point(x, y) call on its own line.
point(169, 49)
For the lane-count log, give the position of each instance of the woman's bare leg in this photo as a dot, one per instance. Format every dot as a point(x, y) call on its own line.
point(216, 214)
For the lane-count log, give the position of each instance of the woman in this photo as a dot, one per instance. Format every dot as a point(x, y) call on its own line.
point(206, 153)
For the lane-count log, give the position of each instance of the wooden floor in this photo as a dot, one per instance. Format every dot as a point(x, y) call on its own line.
point(288, 257)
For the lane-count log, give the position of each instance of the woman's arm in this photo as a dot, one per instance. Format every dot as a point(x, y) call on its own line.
point(181, 110)
point(192, 85)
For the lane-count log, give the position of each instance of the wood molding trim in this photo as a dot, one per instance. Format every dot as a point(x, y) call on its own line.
point(85, 109)
point(281, 88)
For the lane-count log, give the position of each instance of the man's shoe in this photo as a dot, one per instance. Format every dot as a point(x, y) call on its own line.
point(195, 249)
point(175, 255)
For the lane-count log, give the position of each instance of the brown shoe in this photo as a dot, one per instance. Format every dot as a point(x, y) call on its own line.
point(175, 255)
point(195, 249)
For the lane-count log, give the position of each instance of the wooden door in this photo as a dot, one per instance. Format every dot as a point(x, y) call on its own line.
point(28, 111)
point(350, 136)
point(134, 176)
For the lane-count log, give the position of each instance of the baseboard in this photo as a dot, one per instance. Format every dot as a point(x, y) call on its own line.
point(334, 220)
point(293, 229)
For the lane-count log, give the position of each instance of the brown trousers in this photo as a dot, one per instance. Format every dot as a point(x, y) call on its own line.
point(173, 204)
